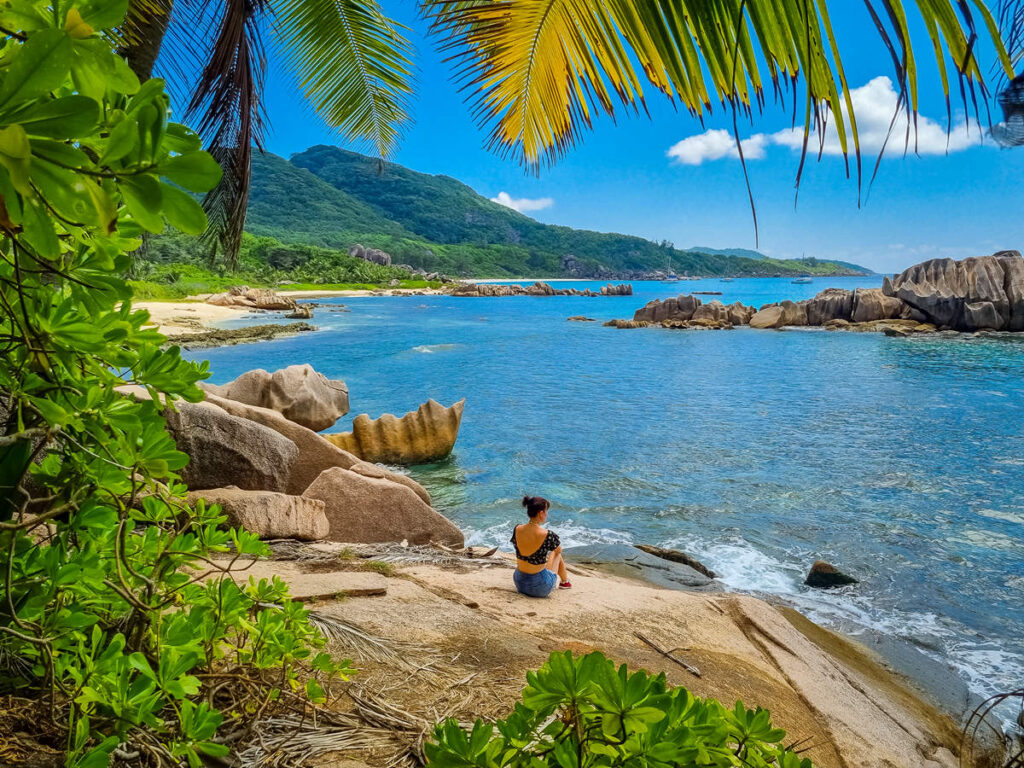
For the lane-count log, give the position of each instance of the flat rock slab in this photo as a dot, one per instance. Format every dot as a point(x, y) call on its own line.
point(625, 560)
point(312, 581)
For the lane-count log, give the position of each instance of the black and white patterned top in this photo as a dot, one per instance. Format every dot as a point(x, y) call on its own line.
point(550, 544)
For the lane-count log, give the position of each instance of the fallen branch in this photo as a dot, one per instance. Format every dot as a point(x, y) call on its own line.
point(670, 656)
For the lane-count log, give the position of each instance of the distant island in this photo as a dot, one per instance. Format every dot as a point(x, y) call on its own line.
point(325, 201)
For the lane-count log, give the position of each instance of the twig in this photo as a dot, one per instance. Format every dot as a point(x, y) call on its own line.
point(669, 655)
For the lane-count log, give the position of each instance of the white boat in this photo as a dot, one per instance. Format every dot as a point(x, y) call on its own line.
point(725, 280)
point(802, 280)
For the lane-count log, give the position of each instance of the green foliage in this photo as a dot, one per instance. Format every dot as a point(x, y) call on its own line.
point(329, 197)
point(583, 712)
point(113, 616)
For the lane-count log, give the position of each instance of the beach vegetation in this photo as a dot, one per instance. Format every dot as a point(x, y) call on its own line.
point(121, 629)
point(583, 712)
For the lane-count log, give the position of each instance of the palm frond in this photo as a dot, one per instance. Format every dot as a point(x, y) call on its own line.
point(228, 106)
point(538, 70)
point(353, 64)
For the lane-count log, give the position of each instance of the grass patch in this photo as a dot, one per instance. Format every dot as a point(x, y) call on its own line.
point(378, 566)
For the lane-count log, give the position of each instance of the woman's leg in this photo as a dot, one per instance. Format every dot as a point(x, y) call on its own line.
point(563, 575)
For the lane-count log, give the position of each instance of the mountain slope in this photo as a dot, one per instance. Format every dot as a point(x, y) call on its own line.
point(331, 197)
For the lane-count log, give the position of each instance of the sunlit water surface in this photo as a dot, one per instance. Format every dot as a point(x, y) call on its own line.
point(900, 460)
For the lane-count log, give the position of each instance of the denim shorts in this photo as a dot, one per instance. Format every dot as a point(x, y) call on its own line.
point(535, 584)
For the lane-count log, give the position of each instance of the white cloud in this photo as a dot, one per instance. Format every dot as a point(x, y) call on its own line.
point(874, 105)
point(522, 204)
point(714, 145)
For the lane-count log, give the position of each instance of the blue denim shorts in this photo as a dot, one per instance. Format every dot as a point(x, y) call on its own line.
point(535, 584)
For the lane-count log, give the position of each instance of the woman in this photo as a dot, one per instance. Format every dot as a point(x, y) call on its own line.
point(538, 553)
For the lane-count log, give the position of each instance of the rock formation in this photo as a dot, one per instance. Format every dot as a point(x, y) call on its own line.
point(228, 450)
point(420, 437)
point(244, 297)
point(825, 576)
point(981, 293)
point(363, 509)
point(537, 289)
point(297, 392)
point(687, 311)
point(268, 514)
point(301, 312)
point(372, 255)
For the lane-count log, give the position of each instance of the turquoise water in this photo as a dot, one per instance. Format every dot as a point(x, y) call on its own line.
point(899, 460)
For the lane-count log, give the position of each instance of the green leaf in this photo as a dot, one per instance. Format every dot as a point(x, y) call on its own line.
point(143, 196)
point(182, 211)
point(103, 14)
point(16, 156)
point(65, 118)
point(39, 65)
point(195, 171)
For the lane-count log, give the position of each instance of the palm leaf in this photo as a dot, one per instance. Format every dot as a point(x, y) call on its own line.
point(353, 65)
point(228, 105)
point(537, 70)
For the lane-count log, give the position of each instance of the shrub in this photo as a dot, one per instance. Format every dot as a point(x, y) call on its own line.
point(107, 620)
point(582, 712)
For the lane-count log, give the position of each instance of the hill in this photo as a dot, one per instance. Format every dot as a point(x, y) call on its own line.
point(743, 253)
point(329, 197)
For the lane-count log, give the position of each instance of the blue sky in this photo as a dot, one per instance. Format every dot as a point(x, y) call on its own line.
point(623, 179)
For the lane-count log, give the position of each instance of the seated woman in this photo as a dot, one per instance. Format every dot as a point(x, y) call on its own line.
point(538, 553)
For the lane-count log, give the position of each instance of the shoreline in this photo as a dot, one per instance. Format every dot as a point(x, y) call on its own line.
point(841, 695)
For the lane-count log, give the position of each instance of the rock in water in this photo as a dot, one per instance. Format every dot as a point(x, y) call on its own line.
point(364, 510)
point(228, 450)
point(315, 453)
point(422, 436)
point(301, 312)
point(251, 298)
point(268, 514)
point(825, 576)
point(297, 392)
point(980, 293)
point(768, 317)
point(675, 556)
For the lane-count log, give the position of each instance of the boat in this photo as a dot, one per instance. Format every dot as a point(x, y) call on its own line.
point(672, 278)
point(802, 280)
point(725, 280)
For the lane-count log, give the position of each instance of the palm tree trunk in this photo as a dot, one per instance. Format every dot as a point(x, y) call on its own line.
point(146, 30)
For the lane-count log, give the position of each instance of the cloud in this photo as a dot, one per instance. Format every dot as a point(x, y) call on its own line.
point(714, 145)
point(523, 204)
point(874, 105)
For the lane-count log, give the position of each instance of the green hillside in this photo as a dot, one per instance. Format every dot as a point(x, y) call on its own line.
point(333, 198)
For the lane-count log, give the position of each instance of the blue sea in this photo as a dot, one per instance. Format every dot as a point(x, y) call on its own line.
point(901, 461)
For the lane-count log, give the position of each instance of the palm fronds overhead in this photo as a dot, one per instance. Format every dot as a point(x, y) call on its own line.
point(353, 64)
point(539, 70)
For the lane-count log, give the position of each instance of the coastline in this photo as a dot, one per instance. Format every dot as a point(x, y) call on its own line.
point(820, 686)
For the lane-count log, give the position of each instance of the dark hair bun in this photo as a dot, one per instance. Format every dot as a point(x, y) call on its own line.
point(527, 500)
point(535, 505)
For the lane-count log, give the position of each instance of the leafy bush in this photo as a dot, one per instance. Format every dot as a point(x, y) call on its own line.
point(582, 712)
point(109, 617)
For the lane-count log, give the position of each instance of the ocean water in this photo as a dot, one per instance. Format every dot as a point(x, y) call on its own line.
point(899, 460)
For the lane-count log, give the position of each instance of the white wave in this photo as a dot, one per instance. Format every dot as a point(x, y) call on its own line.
point(429, 349)
point(571, 535)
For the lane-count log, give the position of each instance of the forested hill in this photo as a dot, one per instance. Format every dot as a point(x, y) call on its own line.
point(330, 197)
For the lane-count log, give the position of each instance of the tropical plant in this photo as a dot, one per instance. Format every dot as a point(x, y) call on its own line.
point(583, 712)
point(352, 63)
point(538, 72)
point(119, 629)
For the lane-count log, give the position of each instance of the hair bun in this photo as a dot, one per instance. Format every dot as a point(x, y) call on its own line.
point(527, 500)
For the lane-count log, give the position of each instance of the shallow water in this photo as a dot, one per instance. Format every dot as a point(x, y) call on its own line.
point(899, 460)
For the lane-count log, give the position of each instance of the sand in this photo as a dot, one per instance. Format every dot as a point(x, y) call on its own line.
point(470, 623)
point(177, 317)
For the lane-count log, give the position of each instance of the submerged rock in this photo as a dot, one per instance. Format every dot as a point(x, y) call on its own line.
point(582, 319)
point(297, 392)
point(676, 556)
point(422, 436)
point(825, 576)
point(627, 560)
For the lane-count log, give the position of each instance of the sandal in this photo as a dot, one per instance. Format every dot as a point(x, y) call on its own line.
point(565, 585)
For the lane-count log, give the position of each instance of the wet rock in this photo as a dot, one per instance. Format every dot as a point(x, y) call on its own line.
point(301, 312)
point(226, 337)
point(825, 576)
point(627, 323)
point(582, 319)
point(675, 556)
point(626, 560)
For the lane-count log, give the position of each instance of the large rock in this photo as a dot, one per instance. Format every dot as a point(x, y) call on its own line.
point(979, 293)
point(871, 304)
point(372, 255)
point(316, 453)
point(830, 304)
point(626, 560)
point(244, 297)
point(297, 392)
point(825, 576)
point(268, 514)
point(419, 437)
point(677, 308)
point(767, 317)
point(362, 509)
point(227, 450)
